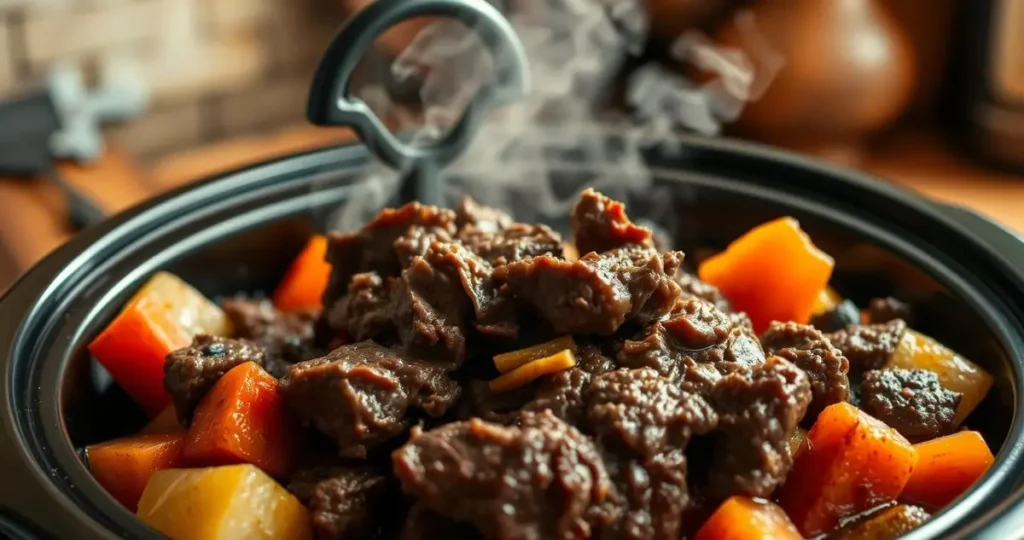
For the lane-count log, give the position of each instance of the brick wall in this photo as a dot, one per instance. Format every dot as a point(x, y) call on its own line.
point(215, 68)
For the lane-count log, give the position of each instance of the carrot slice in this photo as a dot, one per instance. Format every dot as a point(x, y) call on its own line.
point(161, 317)
point(244, 420)
point(306, 279)
point(849, 463)
point(743, 518)
point(511, 360)
point(123, 466)
point(946, 468)
point(163, 423)
point(527, 373)
point(773, 273)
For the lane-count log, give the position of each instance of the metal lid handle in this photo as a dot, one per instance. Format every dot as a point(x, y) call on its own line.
point(330, 103)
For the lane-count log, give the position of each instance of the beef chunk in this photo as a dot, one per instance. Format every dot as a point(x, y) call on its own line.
point(343, 502)
point(430, 307)
point(598, 293)
point(886, 524)
point(883, 310)
point(191, 372)
point(286, 338)
point(416, 241)
point(911, 401)
point(371, 248)
point(809, 350)
point(693, 286)
point(562, 392)
point(483, 218)
point(600, 224)
point(515, 242)
point(868, 346)
point(539, 480)
point(694, 347)
point(837, 318)
point(362, 394)
point(365, 312)
point(493, 310)
point(759, 408)
point(644, 421)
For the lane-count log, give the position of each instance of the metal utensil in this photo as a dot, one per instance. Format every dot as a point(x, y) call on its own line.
point(331, 103)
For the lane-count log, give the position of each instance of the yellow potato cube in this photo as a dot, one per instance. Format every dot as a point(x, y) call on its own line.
point(222, 503)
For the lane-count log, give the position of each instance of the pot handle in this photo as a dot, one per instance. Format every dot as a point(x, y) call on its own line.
point(330, 102)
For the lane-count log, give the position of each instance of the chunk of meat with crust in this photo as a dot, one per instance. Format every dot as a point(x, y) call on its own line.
point(600, 224)
point(286, 338)
point(365, 311)
point(562, 392)
point(598, 293)
point(883, 310)
point(362, 394)
point(371, 248)
point(483, 218)
point(542, 479)
point(695, 347)
point(809, 349)
point(343, 502)
point(416, 241)
point(494, 311)
point(644, 421)
point(759, 408)
point(190, 372)
point(868, 346)
point(911, 401)
point(513, 243)
point(694, 286)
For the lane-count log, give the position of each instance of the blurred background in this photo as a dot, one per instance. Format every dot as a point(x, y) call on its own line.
point(104, 103)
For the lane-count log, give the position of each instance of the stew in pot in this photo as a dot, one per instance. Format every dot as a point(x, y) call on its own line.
point(456, 374)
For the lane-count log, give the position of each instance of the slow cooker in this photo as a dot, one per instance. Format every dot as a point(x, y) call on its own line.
point(963, 274)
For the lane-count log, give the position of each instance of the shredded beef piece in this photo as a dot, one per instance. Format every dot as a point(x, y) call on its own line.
point(286, 338)
point(809, 350)
point(191, 372)
point(911, 401)
point(644, 421)
point(343, 502)
point(887, 524)
point(483, 218)
point(422, 523)
point(693, 286)
point(759, 408)
point(515, 242)
point(542, 479)
point(695, 347)
point(371, 248)
point(494, 311)
point(365, 312)
point(361, 395)
point(430, 307)
point(600, 224)
point(868, 346)
point(598, 293)
point(562, 392)
point(883, 310)
point(416, 241)
point(837, 318)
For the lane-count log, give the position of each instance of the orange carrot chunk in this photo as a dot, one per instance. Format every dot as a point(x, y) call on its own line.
point(162, 317)
point(773, 273)
point(163, 423)
point(506, 362)
point(244, 420)
point(743, 518)
point(946, 468)
point(849, 463)
point(306, 279)
point(123, 466)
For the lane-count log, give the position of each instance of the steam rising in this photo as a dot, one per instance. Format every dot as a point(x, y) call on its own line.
point(575, 48)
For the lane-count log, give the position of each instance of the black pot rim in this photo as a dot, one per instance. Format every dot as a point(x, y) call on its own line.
point(33, 448)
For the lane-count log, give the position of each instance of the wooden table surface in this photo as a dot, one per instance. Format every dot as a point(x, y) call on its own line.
point(32, 221)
